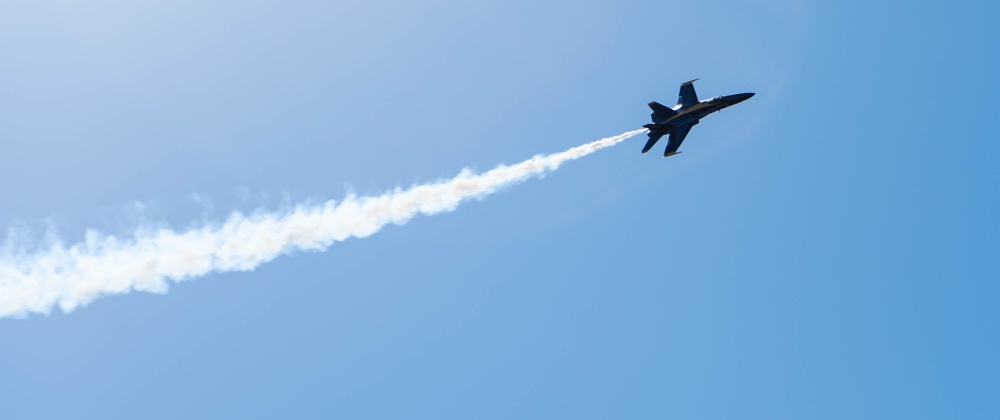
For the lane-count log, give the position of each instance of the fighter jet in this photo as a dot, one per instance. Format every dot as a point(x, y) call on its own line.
point(677, 121)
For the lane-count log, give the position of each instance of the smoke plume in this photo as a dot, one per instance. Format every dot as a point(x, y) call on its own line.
point(72, 276)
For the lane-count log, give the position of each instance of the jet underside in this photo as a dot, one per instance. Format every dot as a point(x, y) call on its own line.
point(677, 122)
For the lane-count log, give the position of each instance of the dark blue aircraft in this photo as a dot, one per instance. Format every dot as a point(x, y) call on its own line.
point(677, 121)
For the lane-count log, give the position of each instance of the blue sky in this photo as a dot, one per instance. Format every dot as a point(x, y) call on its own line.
point(827, 249)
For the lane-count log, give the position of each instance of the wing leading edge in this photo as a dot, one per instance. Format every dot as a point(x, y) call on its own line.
point(676, 138)
point(687, 95)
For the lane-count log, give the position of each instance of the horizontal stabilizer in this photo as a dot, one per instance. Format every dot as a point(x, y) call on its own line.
point(661, 112)
point(653, 137)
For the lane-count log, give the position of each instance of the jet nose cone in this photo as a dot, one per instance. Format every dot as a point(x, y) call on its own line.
point(739, 97)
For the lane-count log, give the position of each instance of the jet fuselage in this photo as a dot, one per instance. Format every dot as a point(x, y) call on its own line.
point(677, 121)
point(692, 113)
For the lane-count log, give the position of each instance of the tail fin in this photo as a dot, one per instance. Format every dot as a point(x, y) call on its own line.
point(661, 112)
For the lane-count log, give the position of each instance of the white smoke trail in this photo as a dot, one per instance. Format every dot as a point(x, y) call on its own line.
point(74, 276)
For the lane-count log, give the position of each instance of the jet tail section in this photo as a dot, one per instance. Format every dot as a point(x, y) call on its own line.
point(666, 128)
point(661, 112)
point(653, 137)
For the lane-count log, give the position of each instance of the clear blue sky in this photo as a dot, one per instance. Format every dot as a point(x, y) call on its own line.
point(829, 249)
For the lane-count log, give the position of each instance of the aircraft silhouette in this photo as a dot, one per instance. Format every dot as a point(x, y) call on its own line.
point(677, 121)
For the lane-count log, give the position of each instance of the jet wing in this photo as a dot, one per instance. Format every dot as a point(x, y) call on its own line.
point(687, 96)
point(676, 138)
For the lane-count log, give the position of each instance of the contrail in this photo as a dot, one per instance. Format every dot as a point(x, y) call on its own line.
point(72, 276)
